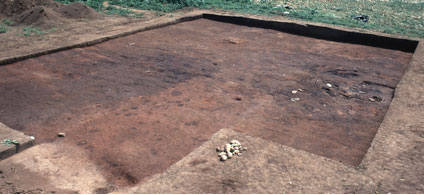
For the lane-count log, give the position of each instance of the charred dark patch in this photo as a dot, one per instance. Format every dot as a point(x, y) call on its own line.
point(344, 73)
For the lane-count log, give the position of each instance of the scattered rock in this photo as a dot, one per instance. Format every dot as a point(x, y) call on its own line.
point(61, 135)
point(233, 40)
point(377, 99)
point(294, 92)
point(329, 85)
point(295, 99)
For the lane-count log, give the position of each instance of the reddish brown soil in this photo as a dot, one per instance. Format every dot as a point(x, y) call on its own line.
point(142, 102)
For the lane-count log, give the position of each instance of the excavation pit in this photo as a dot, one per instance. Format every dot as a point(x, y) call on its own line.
point(138, 104)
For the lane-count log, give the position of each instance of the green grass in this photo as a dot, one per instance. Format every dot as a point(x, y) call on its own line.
point(110, 10)
point(98, 6)
point(3, 28)
point(393, 16)
point(28, 31)
point(95, 4)
point(8, 22)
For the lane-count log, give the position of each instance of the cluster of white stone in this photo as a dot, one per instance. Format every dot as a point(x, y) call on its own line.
point(230, 149)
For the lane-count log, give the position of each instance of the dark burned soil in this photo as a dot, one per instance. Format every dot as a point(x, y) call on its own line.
point(140, 103)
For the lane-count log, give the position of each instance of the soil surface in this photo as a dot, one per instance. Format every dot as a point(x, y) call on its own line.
point(35, 26)
point(140, 103)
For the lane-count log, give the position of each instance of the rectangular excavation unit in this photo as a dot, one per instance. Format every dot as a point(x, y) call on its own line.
point(142, 102)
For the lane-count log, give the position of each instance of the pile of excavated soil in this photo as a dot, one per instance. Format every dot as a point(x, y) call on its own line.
point(78, 11)
point(15, 7)
point(40, 16)
point(44, 13)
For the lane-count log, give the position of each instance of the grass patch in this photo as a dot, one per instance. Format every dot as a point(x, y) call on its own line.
point(3, 28)
point(95, 4)
point(8, 22)
point(401, 17)
point(111, 10)
point(29, 31)
point(98, 6)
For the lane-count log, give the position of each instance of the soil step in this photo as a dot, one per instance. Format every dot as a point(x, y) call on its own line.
point(13, 141)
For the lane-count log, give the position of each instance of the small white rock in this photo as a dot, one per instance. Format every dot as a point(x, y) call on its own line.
point(228, 148)
point(295, 99)
point(245, 148)
point(224, 157)
point(236, 148)
point(235, 142)
point(300, 90)
point(222, 153)
point(218, 149)
point(286, 13)
point(229, 154)
point(329, 85)
point(294, 91)
point(236, 151)
point(238, 154)
point(32, 137)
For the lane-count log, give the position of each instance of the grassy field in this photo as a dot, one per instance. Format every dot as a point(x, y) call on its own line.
point(400, 17)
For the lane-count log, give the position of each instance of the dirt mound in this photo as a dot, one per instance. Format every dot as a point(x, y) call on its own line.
point(50, 16)
point(78, 11)
point(40, 16)
point(15, 7)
